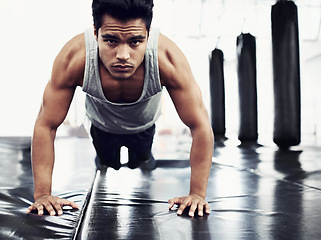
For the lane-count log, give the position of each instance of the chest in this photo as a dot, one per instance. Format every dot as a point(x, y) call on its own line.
point(123, 90)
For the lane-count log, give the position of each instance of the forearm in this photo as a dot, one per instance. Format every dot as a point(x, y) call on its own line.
point(42, 160)
point(201, 160)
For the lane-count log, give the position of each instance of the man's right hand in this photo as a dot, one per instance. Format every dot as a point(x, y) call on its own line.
point(52, 204)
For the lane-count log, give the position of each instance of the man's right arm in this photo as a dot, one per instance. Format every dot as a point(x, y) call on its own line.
point(67, 74)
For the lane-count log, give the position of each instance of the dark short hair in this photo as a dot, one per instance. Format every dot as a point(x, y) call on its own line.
point(123, 10)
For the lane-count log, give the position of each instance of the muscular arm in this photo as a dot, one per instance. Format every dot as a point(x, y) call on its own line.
point(66, 75)
point(177, 77)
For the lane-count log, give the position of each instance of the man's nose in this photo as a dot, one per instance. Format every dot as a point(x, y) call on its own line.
point(123, 52)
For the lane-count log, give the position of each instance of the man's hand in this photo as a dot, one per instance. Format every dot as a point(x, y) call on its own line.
point(192, 201)
point(52, 204)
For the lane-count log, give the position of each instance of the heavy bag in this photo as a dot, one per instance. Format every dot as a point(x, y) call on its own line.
point(286, 74)
point(217, 93)
point(246, 72)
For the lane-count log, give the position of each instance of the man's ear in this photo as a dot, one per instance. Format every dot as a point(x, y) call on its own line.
point(96, 33)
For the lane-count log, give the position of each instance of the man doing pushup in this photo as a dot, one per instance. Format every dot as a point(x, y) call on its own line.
point(122, 65)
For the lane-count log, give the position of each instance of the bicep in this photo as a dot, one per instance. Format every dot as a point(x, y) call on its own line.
point(189, 105)
point(55, 105)
point(67, 71)
point(177, 77)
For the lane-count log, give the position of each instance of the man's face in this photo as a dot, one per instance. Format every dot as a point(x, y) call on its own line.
point(122, 45)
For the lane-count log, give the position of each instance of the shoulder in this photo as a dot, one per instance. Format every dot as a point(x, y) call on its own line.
point(69, 65)
point(173, 65)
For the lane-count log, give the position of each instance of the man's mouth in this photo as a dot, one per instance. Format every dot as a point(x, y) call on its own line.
point(122, 67)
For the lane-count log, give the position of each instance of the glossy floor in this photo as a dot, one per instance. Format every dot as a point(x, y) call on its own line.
point(255, 192)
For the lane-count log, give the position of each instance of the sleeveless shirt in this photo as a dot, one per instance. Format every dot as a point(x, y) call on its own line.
point(122, 118)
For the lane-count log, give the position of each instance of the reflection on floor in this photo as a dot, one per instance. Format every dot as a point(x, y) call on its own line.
point(255, 192)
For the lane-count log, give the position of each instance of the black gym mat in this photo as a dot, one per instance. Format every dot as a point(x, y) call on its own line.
point(255, 192)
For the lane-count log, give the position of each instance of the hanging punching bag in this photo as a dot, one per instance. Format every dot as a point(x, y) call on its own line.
point(217, 93)
point(286, 74)
point(246, 72)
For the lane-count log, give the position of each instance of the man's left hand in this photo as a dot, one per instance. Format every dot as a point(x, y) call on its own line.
point(193, 201)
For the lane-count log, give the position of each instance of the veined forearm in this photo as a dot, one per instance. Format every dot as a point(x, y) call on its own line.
point(201, 160)
point(42, 160)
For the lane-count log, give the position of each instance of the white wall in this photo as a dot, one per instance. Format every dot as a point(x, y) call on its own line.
point(33, 31)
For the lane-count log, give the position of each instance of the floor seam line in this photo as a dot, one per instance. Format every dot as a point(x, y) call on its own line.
point(83, 211)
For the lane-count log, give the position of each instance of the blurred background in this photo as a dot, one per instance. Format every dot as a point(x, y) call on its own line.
point(34, 31)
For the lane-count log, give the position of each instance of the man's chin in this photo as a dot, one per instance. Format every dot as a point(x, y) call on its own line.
point(122, 75)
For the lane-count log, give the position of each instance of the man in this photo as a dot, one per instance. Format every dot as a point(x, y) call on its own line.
point(122, 65)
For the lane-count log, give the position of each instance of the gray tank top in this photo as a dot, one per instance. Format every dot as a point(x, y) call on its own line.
point(122, 118)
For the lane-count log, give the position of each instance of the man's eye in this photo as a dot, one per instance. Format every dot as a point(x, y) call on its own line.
point(136, 42)
point(110, 41)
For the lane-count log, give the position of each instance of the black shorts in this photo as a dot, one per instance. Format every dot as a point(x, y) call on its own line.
point(108, 146)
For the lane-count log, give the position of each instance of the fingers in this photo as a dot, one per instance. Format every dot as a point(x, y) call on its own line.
point(207, 208)
point(33, 207)
point(74, 205)
point(52, 204)
point(193, 208)
point(182, 207)
point(178, 201)
point(174, 201)
point(65, 202)
point(194, 202)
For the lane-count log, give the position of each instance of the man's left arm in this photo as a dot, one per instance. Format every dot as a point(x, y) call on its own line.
point(178, 79)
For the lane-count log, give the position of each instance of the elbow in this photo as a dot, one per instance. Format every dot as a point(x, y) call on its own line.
point(203, 130)
point(43, 128)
